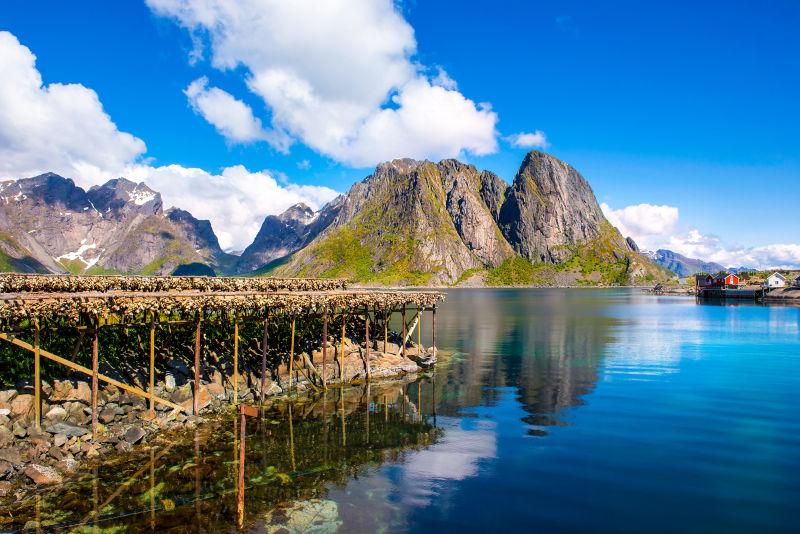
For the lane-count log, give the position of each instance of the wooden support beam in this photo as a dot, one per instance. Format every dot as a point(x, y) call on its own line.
point(386, 317)
point(414, 323)
point(324, 346)
point(152, 364)
point(37, 372)
point(236, 360)
point(197, 333)
point(419, 329)
point(85, 370)
point(95, 372)
point(341, 354)
point(403, 348)
point(366, 338)
point(433, 329)
point(264, 342)
point(291, 357)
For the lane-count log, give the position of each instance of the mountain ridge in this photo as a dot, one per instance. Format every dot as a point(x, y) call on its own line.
point(408, 223)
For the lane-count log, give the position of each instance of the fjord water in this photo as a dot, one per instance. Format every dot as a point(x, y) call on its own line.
point(555, 410)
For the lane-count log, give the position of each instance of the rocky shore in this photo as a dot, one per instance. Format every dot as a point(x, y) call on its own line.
point(31, 456)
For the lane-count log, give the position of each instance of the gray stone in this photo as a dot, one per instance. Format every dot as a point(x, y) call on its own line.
point(67, 429)
point(134, 435)
point(107, 415)
point(59, 440)
point(182, 394)
point(12, 456)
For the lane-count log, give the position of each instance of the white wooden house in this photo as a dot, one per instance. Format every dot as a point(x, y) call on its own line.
point(775, 280)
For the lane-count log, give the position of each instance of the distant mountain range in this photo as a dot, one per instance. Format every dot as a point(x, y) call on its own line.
point(410, 222)
point(684, 266)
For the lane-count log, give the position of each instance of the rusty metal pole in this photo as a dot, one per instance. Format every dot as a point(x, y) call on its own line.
point(403, 348)
point(152, 362)
point(366, 338)
point(264, 342)
point(95, 366)
point(37, 371)
point(236, 360)
point(196, 403)
point(324, 346)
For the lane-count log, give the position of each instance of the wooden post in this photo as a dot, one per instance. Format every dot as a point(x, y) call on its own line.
point(37, 372)
point(419, 331)
point(291, 357)
point(240, 481)
point(324, 346)
point(366, 338)
point(152, 363)
point(236, 360)
point(264, 342)
point(386, 331)
point(95, 366)
point(433, 330)
point(341, 354)
point(403, 348)
point(196, 403)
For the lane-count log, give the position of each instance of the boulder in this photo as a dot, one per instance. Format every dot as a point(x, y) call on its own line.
point(182, 394)
point(6, 436)
point(19, 430)
point(63, 391)
point(216, 390)
point(42, 475)
point(68, 464)
point(5, 488)
point(7, 395)
point(390, 348)
point(204, 399)
point(107, 415)
point(56, 413)
point(67, 429)
point(22, 406)
point(12, 456)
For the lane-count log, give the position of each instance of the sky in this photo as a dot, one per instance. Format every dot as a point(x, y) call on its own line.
point(681, 115)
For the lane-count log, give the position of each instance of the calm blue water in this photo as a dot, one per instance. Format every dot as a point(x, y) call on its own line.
point(569, 410)
point(557, 410)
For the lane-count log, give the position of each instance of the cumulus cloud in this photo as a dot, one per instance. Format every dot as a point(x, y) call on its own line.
point(56, 127)
point(231, 117)
point(535, 139)
point(655, 227)
point(645, 223)
point(235, 201)
point(339, 76)
point(64, 129)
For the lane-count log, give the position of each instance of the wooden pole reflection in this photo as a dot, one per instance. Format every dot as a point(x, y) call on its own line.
point(291, 439)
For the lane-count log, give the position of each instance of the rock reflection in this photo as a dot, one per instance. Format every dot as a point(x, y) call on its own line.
point(294, 452)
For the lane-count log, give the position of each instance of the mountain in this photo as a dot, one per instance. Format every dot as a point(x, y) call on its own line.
point(681, 265)
point(418, 222)
point(118, 227)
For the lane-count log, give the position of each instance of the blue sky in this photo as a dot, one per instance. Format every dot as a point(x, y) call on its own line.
point(658, 104)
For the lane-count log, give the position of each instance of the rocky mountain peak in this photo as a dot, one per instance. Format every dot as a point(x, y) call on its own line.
point(299, 213)
point(121, 194)
point(549, 205)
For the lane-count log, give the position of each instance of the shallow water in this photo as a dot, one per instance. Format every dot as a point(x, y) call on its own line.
point(560, 410)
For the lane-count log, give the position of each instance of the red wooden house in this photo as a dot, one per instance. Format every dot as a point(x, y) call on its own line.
point(724, 280)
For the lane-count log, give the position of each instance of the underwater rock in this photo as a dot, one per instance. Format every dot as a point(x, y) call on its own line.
point(315, 516)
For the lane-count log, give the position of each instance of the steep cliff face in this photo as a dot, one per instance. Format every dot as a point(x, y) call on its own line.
point(409, 222)
point(119, 226)
point(549, 205)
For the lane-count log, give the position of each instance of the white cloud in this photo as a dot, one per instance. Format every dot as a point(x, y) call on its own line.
point(56, 127)
point(304, 165)
point(235, 201)
point(338, 74)
point(645, 223)
point(231, 117)
point(655, 227)
point(535, 139)
point(64, 129)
